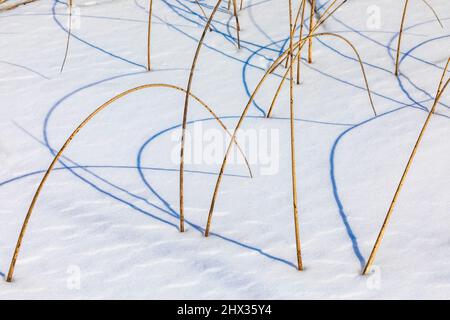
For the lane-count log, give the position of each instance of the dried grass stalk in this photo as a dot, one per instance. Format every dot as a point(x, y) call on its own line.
point(149, 33)
point(292, 127)
point(311, 26)
point(247, 107)
point(185, 111)
point(238, 26)
point(376, 246)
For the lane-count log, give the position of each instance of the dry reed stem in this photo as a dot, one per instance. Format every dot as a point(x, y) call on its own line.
point(440, 91)
point(149, 33)
point(185, 112)
point(292, 127)
point(69, 34)
point(295, 25)
point(238, 27)
point(203, 12)
point(302, 21)
point(320, 21)
point(71, 137)
point(442, 77)
point(244, 113)
point(359, 60)
point(311, 26)
point(400, 36)
point(15, 5)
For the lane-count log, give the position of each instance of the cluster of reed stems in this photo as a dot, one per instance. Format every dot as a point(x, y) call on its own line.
point(292, 57)
point(292, 48)
point(69, 34)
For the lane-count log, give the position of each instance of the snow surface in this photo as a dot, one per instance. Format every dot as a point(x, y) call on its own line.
point(108, 215)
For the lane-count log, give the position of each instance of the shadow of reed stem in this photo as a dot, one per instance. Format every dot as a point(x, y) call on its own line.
point(149, 33)
point(311, 26)
point(185, 112)
point(292, 127)
point(69, 34)
point(72, 136)
point(376, 246)
point(249, 103)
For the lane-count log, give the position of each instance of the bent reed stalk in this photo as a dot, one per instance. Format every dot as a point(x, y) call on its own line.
point(269, 114)
point(440, 92)
point(72, 136)
point(322, 19)
point(203, 12)
point(277, 61)
point(400, 35)
point(185, 111)
point(311, 26)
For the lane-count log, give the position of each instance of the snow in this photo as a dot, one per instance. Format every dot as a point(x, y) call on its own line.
point(106, 224)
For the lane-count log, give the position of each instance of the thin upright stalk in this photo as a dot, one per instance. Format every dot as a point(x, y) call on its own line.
point(292, 127)
point(311, 26)
point(376, 246)
point(302, 21)
point(238, 26)
point(185, 111)
point(277, 61)
point(150, 10)
point(400, 36)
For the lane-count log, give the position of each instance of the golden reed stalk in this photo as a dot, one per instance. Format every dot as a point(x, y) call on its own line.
point(15, 5)
point(72, 136)
point(149, 33)
point(292, 127)
point(185, 111)
point(376, 246)
point(322, 19)
point(277, 61)
point(238, 27)
point(302, 22)
point(400, 35)
point(311, 26)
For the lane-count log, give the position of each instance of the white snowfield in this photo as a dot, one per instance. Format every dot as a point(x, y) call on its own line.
point(106, 223)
